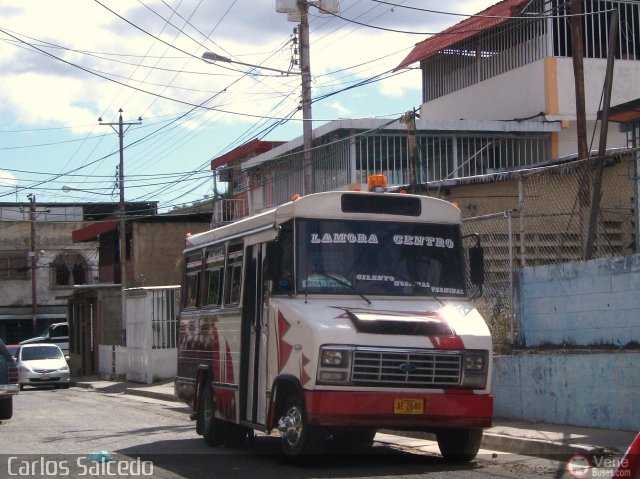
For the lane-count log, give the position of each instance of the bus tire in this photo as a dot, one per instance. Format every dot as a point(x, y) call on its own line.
point(459, 445)
point(214, 431)
point(299, 440)
point(6, 408)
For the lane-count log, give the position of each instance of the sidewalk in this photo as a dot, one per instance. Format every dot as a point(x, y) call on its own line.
point(516, 437)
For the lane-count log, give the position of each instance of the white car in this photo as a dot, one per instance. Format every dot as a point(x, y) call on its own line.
point(42, 364)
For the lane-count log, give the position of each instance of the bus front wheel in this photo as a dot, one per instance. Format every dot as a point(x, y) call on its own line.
point(299, 440)
point(214, 431)
point(459, 445)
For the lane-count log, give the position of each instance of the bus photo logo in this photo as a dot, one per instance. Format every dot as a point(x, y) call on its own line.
point(578, 466)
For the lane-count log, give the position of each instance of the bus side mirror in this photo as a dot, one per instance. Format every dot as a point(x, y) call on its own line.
point(476, 265)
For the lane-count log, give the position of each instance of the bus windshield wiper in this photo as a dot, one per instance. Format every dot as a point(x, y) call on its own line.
point(343, 282)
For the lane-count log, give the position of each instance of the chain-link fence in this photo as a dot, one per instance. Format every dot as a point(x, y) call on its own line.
point(547, 220)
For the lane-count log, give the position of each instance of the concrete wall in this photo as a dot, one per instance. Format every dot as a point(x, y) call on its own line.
point(521, 92)
point(591, 303)
point(152, 313)
point(112, 361)
point(591, 306)
point(542, 88)
point(158, 252)
point(52, 239)
point(591, 389)
point(479, 101)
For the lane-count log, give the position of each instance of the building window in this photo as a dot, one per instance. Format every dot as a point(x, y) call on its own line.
point(13, 265)
point(68, 269)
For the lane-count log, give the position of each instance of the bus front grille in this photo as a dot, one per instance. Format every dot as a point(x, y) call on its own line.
point(412, 369)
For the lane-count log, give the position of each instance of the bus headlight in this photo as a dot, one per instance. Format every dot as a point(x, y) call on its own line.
point(475, 369)
point(474, 362)
point(332, 358)
point(334, 365)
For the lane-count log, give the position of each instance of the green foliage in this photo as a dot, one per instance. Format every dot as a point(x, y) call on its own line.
point(497, 313)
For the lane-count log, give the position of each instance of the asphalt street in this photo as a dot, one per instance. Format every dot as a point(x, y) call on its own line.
point(83, 432)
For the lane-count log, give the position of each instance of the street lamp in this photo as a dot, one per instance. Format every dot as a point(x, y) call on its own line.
point(68, 188)
point(211, 57)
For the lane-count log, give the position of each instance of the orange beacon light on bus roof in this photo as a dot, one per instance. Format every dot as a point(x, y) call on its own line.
point(377, 183)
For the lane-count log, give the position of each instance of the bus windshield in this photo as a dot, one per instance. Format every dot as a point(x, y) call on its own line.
point(379, 258)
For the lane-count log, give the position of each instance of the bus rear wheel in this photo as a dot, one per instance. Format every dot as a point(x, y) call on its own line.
point(299, 440)
point(6, 408)
point(459, 445)
point(214, 431)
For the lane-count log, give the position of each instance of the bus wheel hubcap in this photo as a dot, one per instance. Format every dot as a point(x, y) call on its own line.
point(290, 426)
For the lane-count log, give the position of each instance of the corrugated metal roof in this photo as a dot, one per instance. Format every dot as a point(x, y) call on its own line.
point(489, 18)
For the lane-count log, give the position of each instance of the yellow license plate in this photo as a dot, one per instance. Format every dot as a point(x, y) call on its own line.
point(408, 406)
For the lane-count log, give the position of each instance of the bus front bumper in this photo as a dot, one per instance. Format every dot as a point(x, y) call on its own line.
point(452, 408)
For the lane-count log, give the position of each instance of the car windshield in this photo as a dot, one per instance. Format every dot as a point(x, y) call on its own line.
point(379, 258)
point(40, 352)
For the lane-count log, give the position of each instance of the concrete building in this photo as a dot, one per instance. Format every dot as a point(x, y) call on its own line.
point(514, 61)
point(40, 264)
point(498, 95)
point(154, 259)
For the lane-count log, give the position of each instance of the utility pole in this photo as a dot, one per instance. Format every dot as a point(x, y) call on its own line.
point(592, 231)
point(409, 118)
point(577, 55)
point(298, 11)
point(34, 264)
point(121, 215)
point(307, 125)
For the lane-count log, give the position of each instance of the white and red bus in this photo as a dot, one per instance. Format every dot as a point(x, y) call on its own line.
point(332, 316)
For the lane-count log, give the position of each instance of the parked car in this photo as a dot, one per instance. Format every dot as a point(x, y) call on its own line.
point(42, 364)
point(56, 333)
point(8, 382)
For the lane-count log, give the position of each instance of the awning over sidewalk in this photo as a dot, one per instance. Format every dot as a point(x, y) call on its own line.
point(92, 231)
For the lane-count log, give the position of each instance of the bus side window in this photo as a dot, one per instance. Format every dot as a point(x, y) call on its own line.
point(280, 260)
point(233, 275)
point(192, 280)
point(214, 267)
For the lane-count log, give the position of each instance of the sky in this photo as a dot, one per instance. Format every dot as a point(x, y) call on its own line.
point(64, 65)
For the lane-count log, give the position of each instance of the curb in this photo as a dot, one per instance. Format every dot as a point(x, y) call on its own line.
point(163, 396)
point(538, 447)
point(151, 394)
point(520, 445)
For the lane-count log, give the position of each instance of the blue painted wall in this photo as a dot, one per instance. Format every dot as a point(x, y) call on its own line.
point(591, 389)
point(593, 303)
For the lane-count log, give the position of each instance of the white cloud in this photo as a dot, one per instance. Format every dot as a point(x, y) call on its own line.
point(38, 91)
point(7, 179)
point(341, 110)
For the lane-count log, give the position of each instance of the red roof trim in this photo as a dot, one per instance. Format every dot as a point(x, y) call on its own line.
point(92, 231)
point(465, 29)
point(255, 146)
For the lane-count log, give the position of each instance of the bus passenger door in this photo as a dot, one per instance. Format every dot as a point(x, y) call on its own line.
point(253, 349)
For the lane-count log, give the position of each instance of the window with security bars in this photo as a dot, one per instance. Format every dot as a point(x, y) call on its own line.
point(542, 30)
point(68, 270)
point(14, 265)
point(164, 318)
